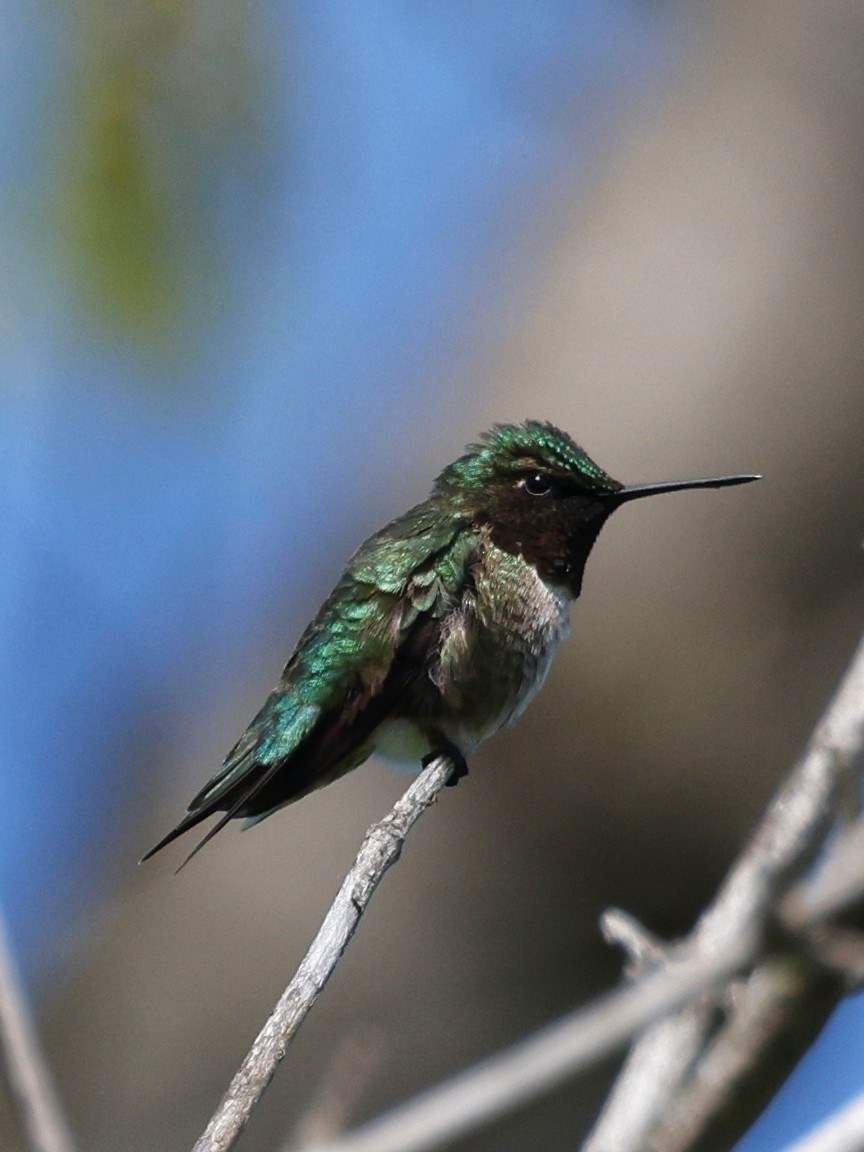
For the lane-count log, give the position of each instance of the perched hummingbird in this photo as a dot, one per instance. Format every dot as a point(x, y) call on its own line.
point(441, 629)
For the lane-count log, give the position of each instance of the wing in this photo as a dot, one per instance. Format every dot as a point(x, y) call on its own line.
point(369, 641)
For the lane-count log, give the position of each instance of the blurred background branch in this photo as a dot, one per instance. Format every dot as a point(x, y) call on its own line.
point(348, 1076)
point(699, 1071)
point(39, 1110)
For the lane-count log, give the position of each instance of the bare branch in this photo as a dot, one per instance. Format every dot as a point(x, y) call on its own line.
point(642, 948)
point(788, 839)
point(761, 1005)
point(504, 1082)
point(835, 883)
point(41, 1114)
point(379, 850)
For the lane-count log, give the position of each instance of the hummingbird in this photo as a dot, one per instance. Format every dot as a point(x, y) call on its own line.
point(441, 629)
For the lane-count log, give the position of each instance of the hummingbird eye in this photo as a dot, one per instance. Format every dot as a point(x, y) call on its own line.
point(536, 484)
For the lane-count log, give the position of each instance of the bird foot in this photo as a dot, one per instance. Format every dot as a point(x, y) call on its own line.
point(460, 766)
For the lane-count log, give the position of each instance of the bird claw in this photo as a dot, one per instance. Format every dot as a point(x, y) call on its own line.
point(460, 767)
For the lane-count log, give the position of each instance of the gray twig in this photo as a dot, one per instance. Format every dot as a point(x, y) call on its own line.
point(642, 948)
point(539, 1063)
point(379, 850)
point(41, 1115)
point(835, 883)
point(758, 1015)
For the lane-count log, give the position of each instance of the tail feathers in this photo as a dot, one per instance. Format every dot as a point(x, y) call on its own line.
point(188, 821)
point(195, 816)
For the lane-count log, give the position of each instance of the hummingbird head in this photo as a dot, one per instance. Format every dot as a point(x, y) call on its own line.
point(542, 497)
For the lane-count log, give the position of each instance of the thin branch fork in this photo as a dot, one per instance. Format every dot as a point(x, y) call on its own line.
point(541, 1062)
point(380, 849)
point(666, 1060)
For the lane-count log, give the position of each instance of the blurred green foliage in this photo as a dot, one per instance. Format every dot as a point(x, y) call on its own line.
point(166, 99)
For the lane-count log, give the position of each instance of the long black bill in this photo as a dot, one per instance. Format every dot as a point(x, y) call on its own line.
point(637, 491)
